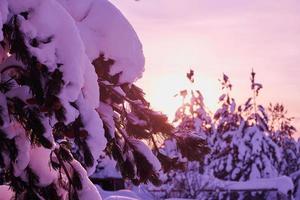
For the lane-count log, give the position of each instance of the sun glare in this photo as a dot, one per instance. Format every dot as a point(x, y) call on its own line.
point(162, 93)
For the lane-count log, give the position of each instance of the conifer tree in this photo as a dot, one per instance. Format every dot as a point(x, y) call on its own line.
point(182, 177)
point(281, 132)
point(242, 149)
point(45, 104)
point(67, 95)
point(192, 115)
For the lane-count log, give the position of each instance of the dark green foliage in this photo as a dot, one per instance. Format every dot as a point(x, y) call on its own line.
point(193, 148)
point(43, 104)
point(44, 85)
point(169, 164)
point(145, 169)
point(33, 179)
point(76, 180)
point(30, 119)
point(50, 192)
point(133, 118)
point(65, 154)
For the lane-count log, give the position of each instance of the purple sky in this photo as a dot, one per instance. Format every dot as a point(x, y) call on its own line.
point(213, 37)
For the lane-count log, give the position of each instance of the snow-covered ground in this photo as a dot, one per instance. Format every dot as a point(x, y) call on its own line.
point(282, 185)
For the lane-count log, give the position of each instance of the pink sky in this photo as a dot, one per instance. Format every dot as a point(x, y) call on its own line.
point(213, 37)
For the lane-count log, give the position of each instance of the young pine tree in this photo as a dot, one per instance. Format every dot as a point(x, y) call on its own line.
point(281, 132)
point(184, 180)
point(242, 149)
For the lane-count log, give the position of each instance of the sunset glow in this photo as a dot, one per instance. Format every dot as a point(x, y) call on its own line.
point(229, 37)
point(149, 99)
point(162, 92)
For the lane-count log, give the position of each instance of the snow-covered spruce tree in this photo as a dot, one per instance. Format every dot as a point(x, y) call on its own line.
point(226, 118)
point(127, 118)
point(192, 118)
point(183, 179)
point(192, 115)
point(242, 149)
point(281, 132)
point(118, 60)
point(126, 114)
point(47, 103)
point(296, 176)
point(50, 51)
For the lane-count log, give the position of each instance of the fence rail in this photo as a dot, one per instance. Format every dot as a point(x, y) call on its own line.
point(176, 192)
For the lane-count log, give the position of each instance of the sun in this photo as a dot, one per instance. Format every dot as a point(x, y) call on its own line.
point(162, 95)
point(161, 92)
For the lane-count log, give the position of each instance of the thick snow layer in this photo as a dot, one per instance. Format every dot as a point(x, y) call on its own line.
point(4, 111)
point(48, 130)
point(3, 54)
point(3, 17)
point(5, 192)
point(69, 46)
point(23, 158)
point(90, 89)
point(107, 115)
point(177, 199)
point(120, 195)
point(108, 169)
point(105, 30)
point(282, 184)
point(89, 190)
point(258, 156)
point(117, 197)
point(22, 92)
point(64, 51)
point(93, 124)
point(65, 46)
point(144, 149)
point(12, 130)
point(39, 163)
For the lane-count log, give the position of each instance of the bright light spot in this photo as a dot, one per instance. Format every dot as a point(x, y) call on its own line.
point(161, 92)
